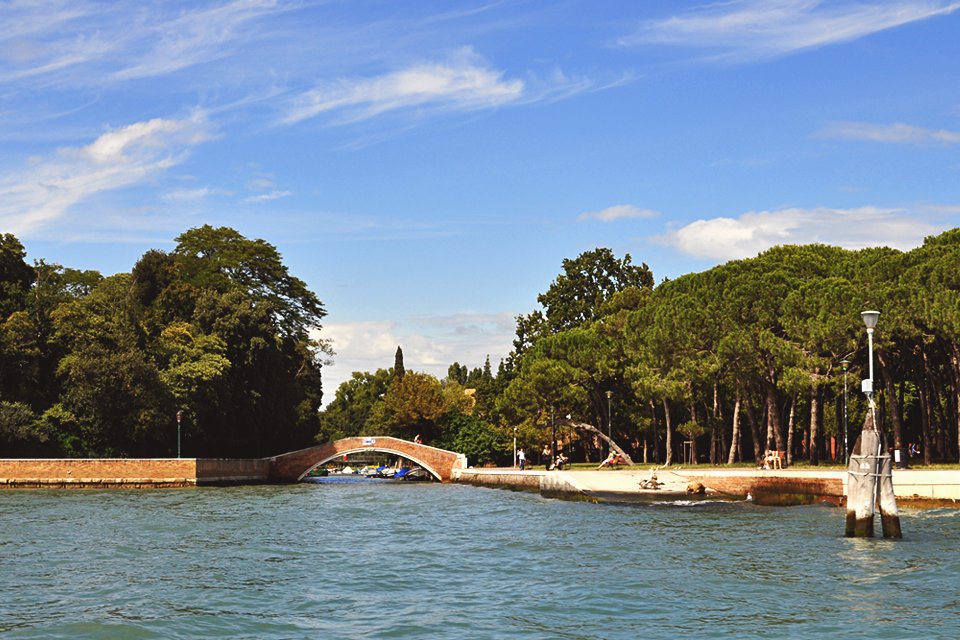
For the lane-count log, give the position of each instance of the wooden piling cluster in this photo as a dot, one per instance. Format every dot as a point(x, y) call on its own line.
point(870, 482)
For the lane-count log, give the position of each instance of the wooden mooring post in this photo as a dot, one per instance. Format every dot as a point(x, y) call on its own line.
point(869, 482)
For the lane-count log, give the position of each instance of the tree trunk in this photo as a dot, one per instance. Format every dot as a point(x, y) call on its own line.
point(735, 438)
point(653, 422)
point(955, 367)
point(754, 430)
point(693, 436)
point(666, 419)
point(893, 407)
point(773, 415)
point(614, 447)
point(939, 410)
point(715, 450)
point(925, 422)
point(814, 425)
point(793, 411)
point(934, 413)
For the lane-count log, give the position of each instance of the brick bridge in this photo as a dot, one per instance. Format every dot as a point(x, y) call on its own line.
point(291, 467)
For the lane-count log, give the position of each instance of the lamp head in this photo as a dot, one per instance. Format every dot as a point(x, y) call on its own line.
point(870, 318)
point(845, 364)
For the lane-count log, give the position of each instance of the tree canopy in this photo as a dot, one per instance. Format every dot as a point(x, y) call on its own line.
point(217, 329)
point(736, 359)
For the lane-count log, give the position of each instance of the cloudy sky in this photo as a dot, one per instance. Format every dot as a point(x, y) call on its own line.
point(425, 166)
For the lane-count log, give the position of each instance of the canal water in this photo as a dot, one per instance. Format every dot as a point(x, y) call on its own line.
point(405, 560)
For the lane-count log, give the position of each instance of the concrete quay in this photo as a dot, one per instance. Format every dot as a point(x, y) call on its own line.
point(913, 488)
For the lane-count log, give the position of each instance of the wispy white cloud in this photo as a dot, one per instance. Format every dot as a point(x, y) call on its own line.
point(618, 212)
point(463, 82)
point(41, 39)
point(192, 195)
point(267, 197)
point(194, 37)
point(744, 30)
point(430, 344)
point(755, 231)
point(44, 191)
point(896, 133)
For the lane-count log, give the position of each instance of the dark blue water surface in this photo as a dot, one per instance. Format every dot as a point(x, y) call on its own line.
point(405, 560)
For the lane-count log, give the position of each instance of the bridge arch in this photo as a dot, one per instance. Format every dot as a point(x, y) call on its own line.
point(291, 467)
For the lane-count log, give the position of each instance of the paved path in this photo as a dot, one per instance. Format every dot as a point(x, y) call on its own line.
point(921, 486)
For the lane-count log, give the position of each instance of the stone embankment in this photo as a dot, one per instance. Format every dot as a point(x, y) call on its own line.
point(140, 473)
point(779, 487)
point(920, 488)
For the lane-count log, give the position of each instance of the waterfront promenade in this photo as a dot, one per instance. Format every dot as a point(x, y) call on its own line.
point(913, 487)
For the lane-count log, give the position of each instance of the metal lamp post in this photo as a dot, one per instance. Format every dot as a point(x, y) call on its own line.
point(179, 418)
point(870, 320)
point(846, 365)
point(869, 475)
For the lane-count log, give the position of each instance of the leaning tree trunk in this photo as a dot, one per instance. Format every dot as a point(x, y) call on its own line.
point(735, 438)
point(600, 434)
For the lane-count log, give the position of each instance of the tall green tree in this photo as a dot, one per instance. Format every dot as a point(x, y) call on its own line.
point(220, 259)
point(351, 410)
point(16, 276)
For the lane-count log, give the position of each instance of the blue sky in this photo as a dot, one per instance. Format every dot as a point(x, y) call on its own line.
point(426, 166)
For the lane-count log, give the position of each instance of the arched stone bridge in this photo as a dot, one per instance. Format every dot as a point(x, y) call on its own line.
point(291, 467)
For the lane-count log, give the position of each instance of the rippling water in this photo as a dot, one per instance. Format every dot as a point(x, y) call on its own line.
point(402, 560)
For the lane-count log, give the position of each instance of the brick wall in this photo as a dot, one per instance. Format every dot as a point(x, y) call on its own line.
point(227, 470)
point(128, 472)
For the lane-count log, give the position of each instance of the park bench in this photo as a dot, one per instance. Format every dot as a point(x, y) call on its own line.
point(775, 459)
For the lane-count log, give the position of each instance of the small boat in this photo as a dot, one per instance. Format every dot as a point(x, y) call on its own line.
point(414, 474)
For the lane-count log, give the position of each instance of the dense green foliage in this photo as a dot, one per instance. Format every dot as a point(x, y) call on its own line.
point(758, 344)
point(717, 366)
point(217, 329)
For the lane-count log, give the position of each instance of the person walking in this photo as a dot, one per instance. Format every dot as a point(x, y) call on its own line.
point(522, 458)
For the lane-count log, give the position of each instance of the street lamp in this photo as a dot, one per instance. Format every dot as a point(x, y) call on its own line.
point(609, 435)
point(846, 365)
point(179, 417)
point(870, 320)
